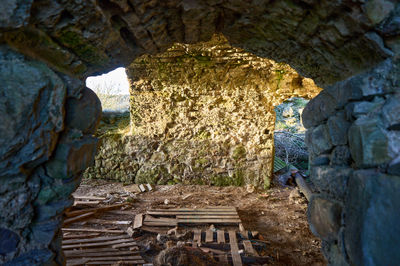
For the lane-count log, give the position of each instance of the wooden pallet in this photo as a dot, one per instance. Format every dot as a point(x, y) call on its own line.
point(104, 250)
point(225, 245)
point(175, 217)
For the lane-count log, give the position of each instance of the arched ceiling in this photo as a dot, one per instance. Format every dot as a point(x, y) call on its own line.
point(326, 40)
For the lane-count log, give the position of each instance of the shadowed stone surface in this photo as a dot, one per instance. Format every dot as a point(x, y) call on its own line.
point(372, 233)
point(325, 217)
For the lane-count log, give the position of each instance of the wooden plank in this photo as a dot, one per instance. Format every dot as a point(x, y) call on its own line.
point(97, 239)
point(96, 244)
point(138, 221)
point(243, 232)
point(197, 237)
point(92, 230)
point(220, 236)
point(206, 216)
point(194, 210)
point(88, 197)
point(101, 221)
point(97, 252)
point(77, 262)
point(209, 221)
point(162, 213)
point(153, 229)
point(116, 258)
point(209, 236)
point(99, 209)
point(80, 236)
point(91, 203)
point(221, 207)
point(248, 247)
point(131, 262)
point(78, 218)
point(125, 245)
point(237, 261)
point(160, 224)
point(150, 218)
point(118, 212)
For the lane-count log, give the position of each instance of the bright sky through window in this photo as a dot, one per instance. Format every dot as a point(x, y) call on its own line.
point(114, 82)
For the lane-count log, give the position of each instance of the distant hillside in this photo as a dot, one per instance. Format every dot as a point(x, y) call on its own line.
point(114, 103)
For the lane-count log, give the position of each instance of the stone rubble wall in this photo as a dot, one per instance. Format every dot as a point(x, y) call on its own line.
point(204, 114)
point(354, 143)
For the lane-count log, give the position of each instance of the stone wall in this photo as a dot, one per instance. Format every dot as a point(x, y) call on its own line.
point(44, 148)
point(354, 140)
point(205, 114)
point(47, 49)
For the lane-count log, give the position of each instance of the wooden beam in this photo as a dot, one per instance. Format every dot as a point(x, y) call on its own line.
point(206, 216)
point(209, 221)
point(97, 252)
point(97, 244)
point(78, 218)
point(220, 236)
point(107, 262)
point(209, 236)
point(92, 230)
point(88, 197)
point(248, 247)
point(99, 209)
point(97, 239)
point(197, 237)
point(237, 261)
point(303, 187)
point(81, 236)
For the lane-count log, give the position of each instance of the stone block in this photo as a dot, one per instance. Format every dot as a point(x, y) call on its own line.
point(33, 257)
point(394, 167)
point(318, 109)
point(72, 157)
point(378, 10)
point(8, 241)
point(391, 112)
point(83, 113)
point(338, 127)
point(331, 180)
point(367, 108)
point(324, 216)
point(323, 159)
point(340, 156)
point(369, 143)
point(372, 234)
point(320, 139)
point(375, 81)
point(15, 13)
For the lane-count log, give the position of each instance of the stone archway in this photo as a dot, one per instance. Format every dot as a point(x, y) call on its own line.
point(49, 47)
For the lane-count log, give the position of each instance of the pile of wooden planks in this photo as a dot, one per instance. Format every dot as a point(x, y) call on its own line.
point(103, 250)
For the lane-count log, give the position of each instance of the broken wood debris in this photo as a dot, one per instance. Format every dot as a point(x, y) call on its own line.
point(99, 209)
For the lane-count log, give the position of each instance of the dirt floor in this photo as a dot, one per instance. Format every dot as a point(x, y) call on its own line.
point(279, 214)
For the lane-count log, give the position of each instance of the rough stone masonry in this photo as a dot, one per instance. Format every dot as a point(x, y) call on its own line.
point(349, 48)
point(200, 114)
